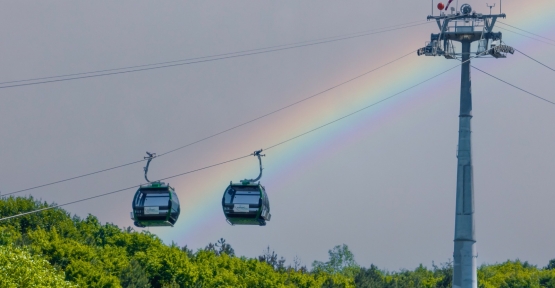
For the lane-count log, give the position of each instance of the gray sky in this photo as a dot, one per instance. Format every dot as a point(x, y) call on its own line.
point(382, 181)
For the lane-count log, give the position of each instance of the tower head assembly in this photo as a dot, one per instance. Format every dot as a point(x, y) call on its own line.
point(465, 25)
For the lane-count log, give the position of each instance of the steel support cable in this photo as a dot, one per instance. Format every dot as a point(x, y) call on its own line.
point(525, 31)
point(73, 178)
point(238, 158)
point(205, 60)
point(537, 61)
point(119, 190)
point(514, 86)
point(526, 36)
point(204, 57)
point(368, 106)
point(294, 103)
point(216, 134)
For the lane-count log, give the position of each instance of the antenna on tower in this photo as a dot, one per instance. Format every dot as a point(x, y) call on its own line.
point(487, 5)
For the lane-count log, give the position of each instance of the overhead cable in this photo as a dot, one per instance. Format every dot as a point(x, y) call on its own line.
point(514, 86)
point(215, 58)
point(73, 178)
point(219, 133)
point(204, 57)
point(537, 61)
point(119, 190)
point(294, 103)
point(238, 158)
point(525, 31)
point(539, 40)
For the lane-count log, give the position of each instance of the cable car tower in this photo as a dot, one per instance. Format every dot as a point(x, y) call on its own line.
point(465, 26)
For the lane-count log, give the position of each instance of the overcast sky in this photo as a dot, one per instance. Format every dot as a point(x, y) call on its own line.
point(381, 181)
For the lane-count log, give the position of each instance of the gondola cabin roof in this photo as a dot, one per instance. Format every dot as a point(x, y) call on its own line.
point(156, 185)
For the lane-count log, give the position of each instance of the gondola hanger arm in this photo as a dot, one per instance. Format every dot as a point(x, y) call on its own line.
point(257, 154)
point(149, 157)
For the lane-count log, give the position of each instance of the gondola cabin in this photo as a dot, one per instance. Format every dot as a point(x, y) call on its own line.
point(155, 204)
point(246, 203)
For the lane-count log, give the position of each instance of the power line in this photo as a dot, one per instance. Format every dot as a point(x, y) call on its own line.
point(525, 91)
point(235, 159)
point(526, 31)
point(204, 60)
point(204, 57)
point(537, 61)
point(219, 133)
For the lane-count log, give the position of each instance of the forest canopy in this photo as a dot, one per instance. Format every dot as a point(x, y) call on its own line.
point(54, 249)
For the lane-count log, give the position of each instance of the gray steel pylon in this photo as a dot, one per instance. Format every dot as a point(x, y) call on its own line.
point(465, 26)
point(464, 255)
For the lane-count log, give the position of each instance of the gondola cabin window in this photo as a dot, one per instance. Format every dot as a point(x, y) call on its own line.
point(155, 199)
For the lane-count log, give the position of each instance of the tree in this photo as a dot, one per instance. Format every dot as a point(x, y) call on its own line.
point(444, 273)
point(272, 259)
point(134, 276)
point(369, 278)
point(297, 265)
point(59, 250)
point(187, 251)
point(224, 247)
point(221, 247)
point(551, 265)
point(341, 261)
point(18, 268)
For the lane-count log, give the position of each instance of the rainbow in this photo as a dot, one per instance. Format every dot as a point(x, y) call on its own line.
point(201, 211)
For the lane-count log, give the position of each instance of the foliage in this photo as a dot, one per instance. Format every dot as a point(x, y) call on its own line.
point(221, 247)
point(134, 276)
point(18, 268)
point(62, 251)
point(341, 261)
point(551, 265)
point(515, 274)
point(272, 259)
point(53, 249)
point(511, 274)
